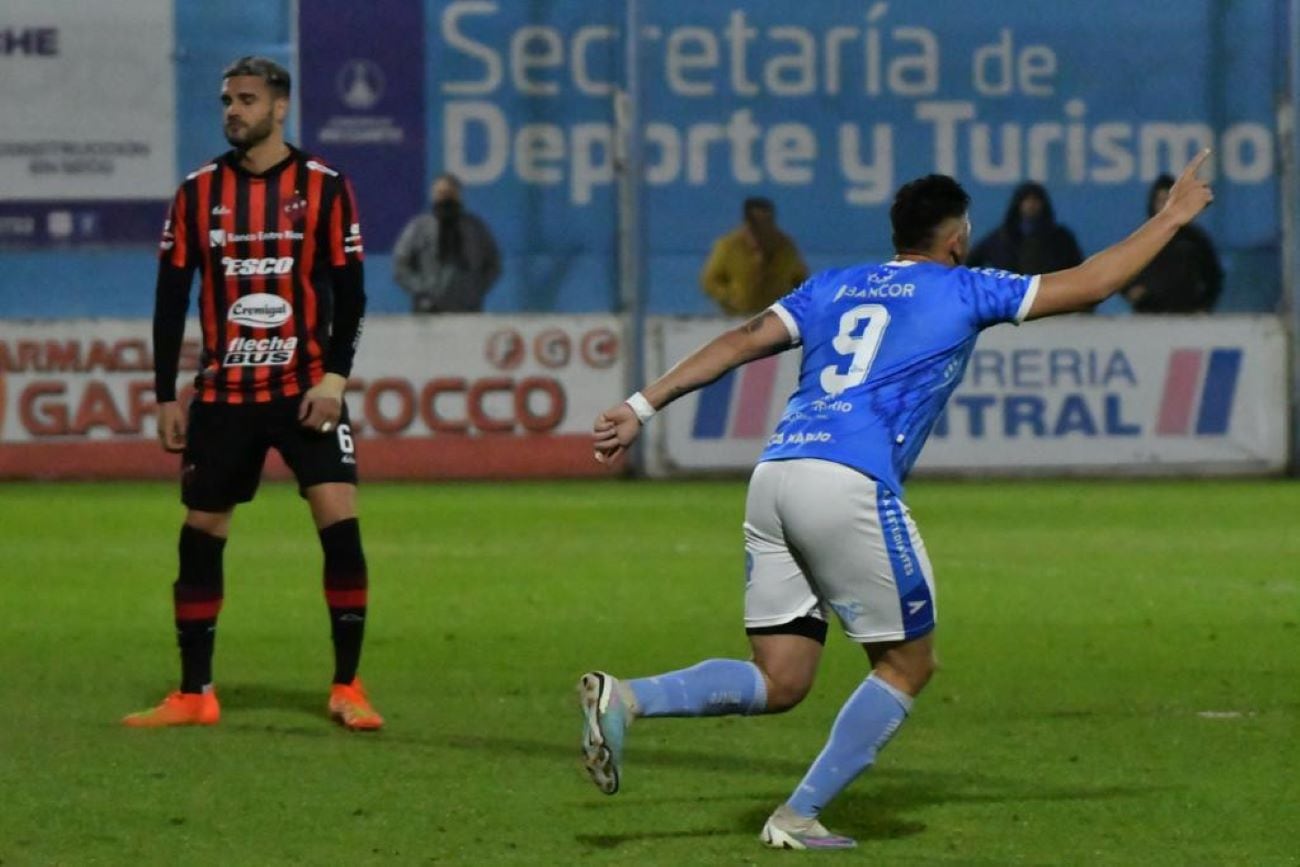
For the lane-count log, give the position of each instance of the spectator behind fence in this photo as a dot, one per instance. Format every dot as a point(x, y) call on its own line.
point(1029, 241)
point(446, 260)
point(754, 265)
point(1185, 276)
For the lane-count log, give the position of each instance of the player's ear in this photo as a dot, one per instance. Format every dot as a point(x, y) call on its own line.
point(954, 245)
point(280, 107)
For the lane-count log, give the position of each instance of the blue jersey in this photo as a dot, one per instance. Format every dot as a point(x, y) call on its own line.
point(883, 348)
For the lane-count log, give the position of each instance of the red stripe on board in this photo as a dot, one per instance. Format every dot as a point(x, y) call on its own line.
point(381, 458)
point(198, 610)
point(1176, 406)
point(345, 598)
point(756, 384)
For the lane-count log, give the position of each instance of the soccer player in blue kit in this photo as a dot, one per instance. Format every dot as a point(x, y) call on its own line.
point(826, 529)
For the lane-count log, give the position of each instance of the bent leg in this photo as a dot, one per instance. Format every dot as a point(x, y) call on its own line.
point(714, 687)
point(866, 722)
point(789, 663)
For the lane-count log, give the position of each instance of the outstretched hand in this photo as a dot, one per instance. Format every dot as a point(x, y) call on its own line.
point(1189, 195)
point(616, 428)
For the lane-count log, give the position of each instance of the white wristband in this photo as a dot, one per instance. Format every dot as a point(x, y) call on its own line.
point(641, 407)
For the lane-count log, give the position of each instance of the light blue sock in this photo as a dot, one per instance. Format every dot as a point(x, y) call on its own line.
point(711, 688)
point(865, 724)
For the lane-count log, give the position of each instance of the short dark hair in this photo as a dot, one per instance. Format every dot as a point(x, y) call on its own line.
point(275, 75)
point(757, 203)
point(920, 206)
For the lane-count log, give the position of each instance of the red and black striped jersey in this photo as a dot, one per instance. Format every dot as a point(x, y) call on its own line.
point(273, 252)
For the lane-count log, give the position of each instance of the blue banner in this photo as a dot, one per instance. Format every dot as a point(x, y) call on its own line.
point(361, 80)
point(828, 107)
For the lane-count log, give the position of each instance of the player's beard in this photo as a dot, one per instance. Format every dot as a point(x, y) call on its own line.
point(249, 136)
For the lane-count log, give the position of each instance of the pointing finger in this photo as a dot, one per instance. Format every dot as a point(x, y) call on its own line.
point(1195, 165)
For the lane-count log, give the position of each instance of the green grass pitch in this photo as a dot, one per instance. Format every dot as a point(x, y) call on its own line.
point(1119, 682)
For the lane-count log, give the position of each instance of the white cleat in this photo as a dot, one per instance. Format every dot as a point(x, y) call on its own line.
point(786, 829)
point(605, 717)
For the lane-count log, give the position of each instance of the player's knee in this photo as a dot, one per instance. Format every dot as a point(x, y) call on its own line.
point(913, 672)
point(923, 670)
point(332, 503)
point(785, 689)
point(211, 523)
point(908, 667)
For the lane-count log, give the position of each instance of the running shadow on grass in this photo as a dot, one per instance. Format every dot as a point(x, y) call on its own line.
point(697, 760)
point(883, 808)
point(613, 841)
point(884, 805)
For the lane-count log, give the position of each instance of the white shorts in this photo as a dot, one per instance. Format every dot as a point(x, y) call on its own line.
point(819, 536)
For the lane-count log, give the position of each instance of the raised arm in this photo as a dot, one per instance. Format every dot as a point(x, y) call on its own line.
point(1104, 274)
point(618, 427)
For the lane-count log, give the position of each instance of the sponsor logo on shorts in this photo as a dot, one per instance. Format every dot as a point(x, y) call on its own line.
point(260, 310)
point(267, 352)
point(848, 612)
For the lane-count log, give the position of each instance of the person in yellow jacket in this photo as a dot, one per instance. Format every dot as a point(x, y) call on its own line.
point(753, 266)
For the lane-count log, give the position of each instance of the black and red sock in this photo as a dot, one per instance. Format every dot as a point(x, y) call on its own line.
point(196, 596)
point(345, 593)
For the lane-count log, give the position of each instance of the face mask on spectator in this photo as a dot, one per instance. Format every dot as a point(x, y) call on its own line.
point(446, 209)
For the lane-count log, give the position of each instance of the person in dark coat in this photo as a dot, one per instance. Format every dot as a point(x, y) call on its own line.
point(1184, 277)
point(1029, 241)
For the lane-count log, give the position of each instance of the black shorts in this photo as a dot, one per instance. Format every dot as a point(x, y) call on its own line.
point(226, 444)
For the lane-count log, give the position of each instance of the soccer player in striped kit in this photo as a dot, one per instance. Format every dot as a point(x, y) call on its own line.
point(276, 240)
point(826, 528)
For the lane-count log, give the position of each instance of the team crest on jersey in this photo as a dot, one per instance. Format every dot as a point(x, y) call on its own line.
point(260, 310)
point(296, 208)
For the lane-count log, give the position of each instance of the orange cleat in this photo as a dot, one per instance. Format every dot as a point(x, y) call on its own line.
point(350, 707)
point(178, 709)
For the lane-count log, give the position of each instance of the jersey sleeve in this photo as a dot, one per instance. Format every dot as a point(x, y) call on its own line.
point(993, 295)
point(176, 248)
point(345, 243)
point(794, 310)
